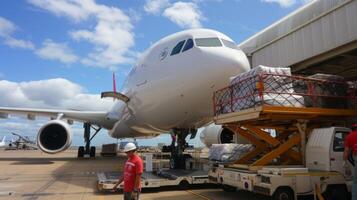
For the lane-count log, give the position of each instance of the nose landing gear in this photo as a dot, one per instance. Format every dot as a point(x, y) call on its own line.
point(178, 158)
point(87, 150)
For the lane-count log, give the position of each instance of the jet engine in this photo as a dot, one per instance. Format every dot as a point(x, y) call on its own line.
point(216, 134)
point(55, 136)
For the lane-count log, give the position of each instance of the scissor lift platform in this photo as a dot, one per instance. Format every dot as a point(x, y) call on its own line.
point(290, 105)
point(274, 116)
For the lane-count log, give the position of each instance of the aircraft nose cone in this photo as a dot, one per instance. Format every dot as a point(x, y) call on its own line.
point(240, 61)
point(235, 62)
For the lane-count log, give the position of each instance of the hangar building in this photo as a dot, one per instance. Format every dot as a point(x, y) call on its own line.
point(320, 37)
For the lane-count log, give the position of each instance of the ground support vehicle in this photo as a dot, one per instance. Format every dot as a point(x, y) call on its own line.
point(323, 171)
point(158, 174)
point(298, 136)
point(180, 178)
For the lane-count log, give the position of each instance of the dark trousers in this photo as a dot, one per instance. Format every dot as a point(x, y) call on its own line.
point(131, 195)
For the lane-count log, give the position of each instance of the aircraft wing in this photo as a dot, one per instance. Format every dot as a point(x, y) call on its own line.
point(94, 117)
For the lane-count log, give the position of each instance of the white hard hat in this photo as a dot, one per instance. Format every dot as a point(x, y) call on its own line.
point(129, 147)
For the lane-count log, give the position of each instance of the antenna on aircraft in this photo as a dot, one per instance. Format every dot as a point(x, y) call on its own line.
point(114, 83)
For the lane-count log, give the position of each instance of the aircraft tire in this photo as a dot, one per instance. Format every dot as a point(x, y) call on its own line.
point(80, 152)
point(92, 152)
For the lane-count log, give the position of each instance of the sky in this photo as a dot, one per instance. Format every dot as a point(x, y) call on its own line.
point(61, 54)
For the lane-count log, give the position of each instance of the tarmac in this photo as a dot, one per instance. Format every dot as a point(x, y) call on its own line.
point(33, 175)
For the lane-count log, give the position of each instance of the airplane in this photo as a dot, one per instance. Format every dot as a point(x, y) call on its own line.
point(22, 142)
point(169, 90)
point(3, 143)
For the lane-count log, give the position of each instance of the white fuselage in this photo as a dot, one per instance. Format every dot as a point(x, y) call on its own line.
point(175, 91)
point(3, 142)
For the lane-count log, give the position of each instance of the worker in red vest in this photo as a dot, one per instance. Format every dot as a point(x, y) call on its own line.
point(351, 146)
point(133, 170)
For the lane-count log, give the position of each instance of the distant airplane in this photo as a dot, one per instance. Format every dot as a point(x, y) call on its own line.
point(169, 90)
point(3, 143)
point(22, 142)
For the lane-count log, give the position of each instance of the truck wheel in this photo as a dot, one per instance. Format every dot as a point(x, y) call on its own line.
point(228, 188)
point(336, 192)
point(283, 193)
point(184, 185)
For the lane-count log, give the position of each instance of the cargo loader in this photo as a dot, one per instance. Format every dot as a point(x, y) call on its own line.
point(304, 156)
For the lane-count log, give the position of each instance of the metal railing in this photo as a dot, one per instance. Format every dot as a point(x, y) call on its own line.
point(283, 90)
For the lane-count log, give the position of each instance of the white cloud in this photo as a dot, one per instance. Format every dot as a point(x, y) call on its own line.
point(184, 14)
point(287, 3)
point(17, 43)
point(56, 51)
point(14, 125)
point(282, 3)
point(7, 29)
point(51, 93)
point(111, 36)
point(155, 6)
point(307, 1)
point(134, 15)
point(68, 8)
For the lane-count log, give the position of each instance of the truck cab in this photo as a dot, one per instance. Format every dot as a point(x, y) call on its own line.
point(324, 151)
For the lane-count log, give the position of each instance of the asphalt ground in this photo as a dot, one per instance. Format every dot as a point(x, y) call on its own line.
point(33, 175)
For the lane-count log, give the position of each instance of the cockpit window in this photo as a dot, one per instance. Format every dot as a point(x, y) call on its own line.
point(230, 44)
point(188, 45)
point(177, 48)
point(208, 42)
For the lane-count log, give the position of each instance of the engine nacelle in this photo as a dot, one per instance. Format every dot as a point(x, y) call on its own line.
point(54, 137)
point(216, 134)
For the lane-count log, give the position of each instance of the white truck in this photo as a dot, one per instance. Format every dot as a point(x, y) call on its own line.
point(159, 176)
point(324, 172)
point(182, 179)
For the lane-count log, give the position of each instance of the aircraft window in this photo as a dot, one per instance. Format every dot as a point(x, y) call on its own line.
point(188, 45)
point(177, 48)
point(230, 44)
point(208, 42)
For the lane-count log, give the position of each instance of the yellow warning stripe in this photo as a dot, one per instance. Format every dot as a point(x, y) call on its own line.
point(198, 195)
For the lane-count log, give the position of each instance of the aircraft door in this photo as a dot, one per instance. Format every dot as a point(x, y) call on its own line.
point(142, 75)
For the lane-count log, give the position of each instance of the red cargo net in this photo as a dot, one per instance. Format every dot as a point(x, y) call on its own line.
point(283, 90)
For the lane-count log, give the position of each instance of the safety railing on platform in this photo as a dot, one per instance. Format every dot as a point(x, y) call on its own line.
point(283, 90)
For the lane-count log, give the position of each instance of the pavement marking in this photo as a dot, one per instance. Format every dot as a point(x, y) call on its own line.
point(6, 193)
point(8, 185)
point(198, 195)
